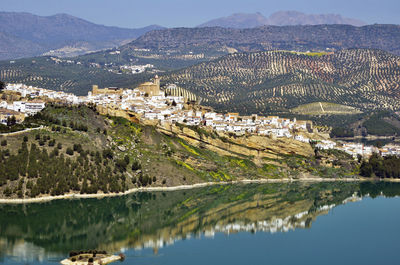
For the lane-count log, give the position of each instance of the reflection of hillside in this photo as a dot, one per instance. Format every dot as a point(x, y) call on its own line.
point(272, 212)
point(156, 219)
point(24, 251)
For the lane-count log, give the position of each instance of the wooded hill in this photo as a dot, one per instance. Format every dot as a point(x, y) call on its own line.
point(178, 48)
point(299, 38)
point(261, 81)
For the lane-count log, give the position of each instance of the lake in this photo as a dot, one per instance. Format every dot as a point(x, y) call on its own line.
point(285, 223)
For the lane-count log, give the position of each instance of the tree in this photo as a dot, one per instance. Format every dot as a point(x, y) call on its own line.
point(136, 165)
point(77, 148)
point(127, 159)
point(11, 121)
point(107, 153)
point(52, 142)
point(2, 86)
point(69, 151)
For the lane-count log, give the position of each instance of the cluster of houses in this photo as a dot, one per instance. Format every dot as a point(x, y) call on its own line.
point(32, 103)
point(150, 103)
point(136, 69)
point(35, 92)
point(359, 149)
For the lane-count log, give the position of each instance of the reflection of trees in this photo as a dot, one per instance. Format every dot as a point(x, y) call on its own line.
point(137, 219)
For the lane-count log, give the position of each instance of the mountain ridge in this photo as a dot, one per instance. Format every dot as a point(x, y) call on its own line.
point(280, 18)
point(300, 38)
point(47, 33)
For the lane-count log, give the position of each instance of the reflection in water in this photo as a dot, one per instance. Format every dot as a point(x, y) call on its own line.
point(153, 220)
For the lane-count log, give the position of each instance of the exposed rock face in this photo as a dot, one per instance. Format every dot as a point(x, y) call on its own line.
point(254, 146)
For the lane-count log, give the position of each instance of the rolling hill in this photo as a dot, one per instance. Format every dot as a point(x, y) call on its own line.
point(177, 48)
point(36, 35)
point(258, 82)
point(62, 76)
point(264, 81)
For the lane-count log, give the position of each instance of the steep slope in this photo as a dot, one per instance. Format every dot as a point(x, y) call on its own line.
point(299, 38)
point(256, 82)
point(281, 18)
point(10, 44)
point(54, 32)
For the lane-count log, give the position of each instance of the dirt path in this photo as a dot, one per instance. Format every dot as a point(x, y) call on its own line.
point(23, 131)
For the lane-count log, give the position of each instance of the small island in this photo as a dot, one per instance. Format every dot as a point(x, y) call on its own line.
point(92, 257)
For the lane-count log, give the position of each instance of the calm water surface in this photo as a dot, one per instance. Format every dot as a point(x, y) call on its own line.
point(324, 223)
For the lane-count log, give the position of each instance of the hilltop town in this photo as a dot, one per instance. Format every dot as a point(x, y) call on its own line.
point(149, 104)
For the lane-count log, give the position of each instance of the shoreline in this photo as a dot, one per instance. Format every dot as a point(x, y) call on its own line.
point(183, 187)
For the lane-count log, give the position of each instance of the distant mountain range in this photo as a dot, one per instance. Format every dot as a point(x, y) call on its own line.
point(25, 35)
point(281, 18)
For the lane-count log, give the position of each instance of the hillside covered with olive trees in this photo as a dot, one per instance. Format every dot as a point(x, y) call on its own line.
point(263, 81)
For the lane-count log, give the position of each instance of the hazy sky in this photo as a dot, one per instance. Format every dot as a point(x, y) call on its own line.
point(178, 13)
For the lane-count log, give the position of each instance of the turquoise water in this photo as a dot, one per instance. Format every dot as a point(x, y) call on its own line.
point(332, 223)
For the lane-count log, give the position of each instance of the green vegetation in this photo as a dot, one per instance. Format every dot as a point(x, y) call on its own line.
point(299, 79)
point(67, 77)
point(133, 219)
point(78, 150)
point(381, 167)
point(341, 132)
point(380, 124)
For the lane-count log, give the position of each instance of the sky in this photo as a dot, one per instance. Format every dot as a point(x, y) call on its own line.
point(189, 13)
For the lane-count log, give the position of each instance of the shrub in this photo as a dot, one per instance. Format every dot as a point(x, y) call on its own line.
point(3, 142)
point(69, 151)
point(78, 148)
point(107, 153)
point(136, 165)
point(25, 139)
point(52, 142)
point(7, 192)
point(59, 146)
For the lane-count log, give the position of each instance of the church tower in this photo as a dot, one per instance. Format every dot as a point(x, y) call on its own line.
point(157, 82)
